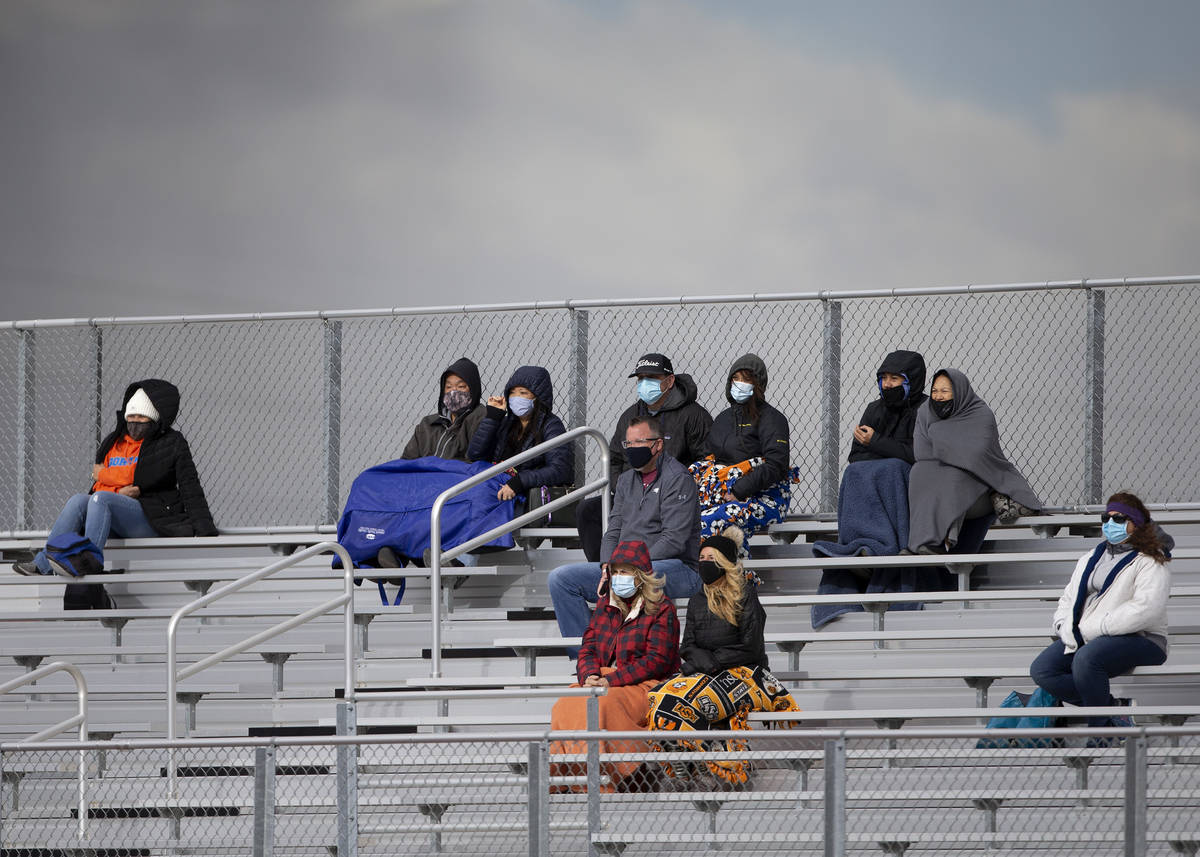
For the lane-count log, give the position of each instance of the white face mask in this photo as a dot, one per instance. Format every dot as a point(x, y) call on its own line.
point(519, 406)
point(740, 391)
point(624, 585)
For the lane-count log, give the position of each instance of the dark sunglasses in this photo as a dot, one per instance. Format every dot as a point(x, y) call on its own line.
point(1119, 519)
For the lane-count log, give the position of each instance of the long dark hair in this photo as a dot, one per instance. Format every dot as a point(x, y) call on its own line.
point(1143, 539)
point(522, 436)
point(751, 405)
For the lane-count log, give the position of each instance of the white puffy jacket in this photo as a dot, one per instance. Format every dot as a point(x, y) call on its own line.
point(1135, 602)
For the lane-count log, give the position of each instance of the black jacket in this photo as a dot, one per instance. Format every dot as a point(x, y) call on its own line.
point(171, 496)
point(437, 434)
point(710, 644)
point(733, 437)
point(685, 422)
point(894, 426)
point(490, 441)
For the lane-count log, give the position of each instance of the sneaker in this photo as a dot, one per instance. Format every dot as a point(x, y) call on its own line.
point(906, 552)
point(386, 558)
point(61, 569)
point(427, 558)
point(931, 550)
point(27, 568)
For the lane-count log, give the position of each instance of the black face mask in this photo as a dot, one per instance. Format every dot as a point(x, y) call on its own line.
point(710, 572)
point(639, 456)
point(892, 396)
point(942, 409)
point(139, 431)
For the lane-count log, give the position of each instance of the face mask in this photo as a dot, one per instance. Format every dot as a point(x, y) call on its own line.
point(639, 456)
point(740, 391)
point(456, 400)
point(892, 396)
point(519, 406)
point(710, 572)
point(1114, 532)
point(139, 431)
point(649, 390)
point(624, 585)
point(942, 409)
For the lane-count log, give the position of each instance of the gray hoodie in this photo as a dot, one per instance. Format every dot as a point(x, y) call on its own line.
point(666, 515)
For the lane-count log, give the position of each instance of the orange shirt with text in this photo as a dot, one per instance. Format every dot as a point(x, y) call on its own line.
point(116, 471)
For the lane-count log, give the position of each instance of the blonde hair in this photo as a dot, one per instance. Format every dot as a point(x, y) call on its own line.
point(725, 595)
point(650, 587)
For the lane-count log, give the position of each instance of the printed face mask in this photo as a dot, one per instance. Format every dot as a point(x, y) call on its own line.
point(649, 390)
point(519, 406)
point(1114, 532)
point(139, 431)
point(639, 456)
point(456, 400)
point(710, 572)
point(624, 585)
point(942, 409)
point(740, 391)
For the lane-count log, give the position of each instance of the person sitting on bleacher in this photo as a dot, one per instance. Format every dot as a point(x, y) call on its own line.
point(656, 503)
point(744, 479)
point(873, 498)
point(961, 473)
point(723, 674)
point(1112, 616)
point(630, 645)
point(520, 419)
point(144, 482)
point(448, 432)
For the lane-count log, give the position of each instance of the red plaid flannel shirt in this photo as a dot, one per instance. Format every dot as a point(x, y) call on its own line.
point(642, 649)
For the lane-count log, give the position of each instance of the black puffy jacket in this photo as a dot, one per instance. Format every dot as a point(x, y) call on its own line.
point(734, 437)
point(894, 426)
point(165, 475)
point(710, 644)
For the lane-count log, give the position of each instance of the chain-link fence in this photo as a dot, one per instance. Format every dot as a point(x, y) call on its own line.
point(1063, 792)
point(1090, 383)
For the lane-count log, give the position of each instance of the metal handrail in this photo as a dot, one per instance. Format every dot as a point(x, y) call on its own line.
point(79, 719)
point(435, 518)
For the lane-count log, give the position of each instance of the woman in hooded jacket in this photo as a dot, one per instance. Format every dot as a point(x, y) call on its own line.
point(448, 433)
point(520, 419)
point(745, 481)
point(144, 482)
point(961, 472)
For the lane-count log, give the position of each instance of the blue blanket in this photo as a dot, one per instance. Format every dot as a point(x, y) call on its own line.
point(872, 510)
point(389, 506)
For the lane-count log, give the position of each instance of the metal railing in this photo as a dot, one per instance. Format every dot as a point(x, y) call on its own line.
point(437, 555)
point(80, 720)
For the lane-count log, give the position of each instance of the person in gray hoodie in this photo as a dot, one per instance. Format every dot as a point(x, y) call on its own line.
point(656, 502)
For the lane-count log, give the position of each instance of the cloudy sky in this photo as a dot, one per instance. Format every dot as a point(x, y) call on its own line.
point(168, 156)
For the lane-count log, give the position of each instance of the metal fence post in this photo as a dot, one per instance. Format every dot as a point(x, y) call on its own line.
point(333, 420)
point(98, 351)
point(1093, 405)
point(26, 412)
point(835, 797)
point(831, 403)
point(1135, 796)
point(539, 799)
point(264, 801)
point(347, 782)
point(579, 390)
point(593, 773)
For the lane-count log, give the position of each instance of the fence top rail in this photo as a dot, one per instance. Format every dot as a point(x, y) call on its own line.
point(606, 303)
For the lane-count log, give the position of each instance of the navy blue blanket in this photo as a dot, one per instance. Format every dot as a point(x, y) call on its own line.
point(389, 506)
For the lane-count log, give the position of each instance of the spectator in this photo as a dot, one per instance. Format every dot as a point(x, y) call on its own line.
point(744, 479)
point(447, 433)
point(724, 671)
point(520, 419)
point(873, 499)
point(656, 503)
point(630, 645)
point(961, 472)
point(1112, 616)
point(144, 482)
point(685, 424)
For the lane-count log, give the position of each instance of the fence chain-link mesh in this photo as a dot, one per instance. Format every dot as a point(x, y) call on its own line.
point(282, 415)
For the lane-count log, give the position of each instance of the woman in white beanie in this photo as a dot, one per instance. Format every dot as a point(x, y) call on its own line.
point(144, 481)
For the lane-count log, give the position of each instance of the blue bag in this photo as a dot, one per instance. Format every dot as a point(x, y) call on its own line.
point(1038, 699)
point(75, 553)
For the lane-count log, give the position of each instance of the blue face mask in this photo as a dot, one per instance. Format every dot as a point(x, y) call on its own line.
point(1114, 532)
point(519, 406)
point(740, 391)
point(624, 585)
point(649, 390)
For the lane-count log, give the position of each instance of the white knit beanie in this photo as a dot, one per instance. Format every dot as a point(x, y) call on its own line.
point(140, 405)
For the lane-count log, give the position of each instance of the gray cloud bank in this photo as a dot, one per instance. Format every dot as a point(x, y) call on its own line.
point(162, 157)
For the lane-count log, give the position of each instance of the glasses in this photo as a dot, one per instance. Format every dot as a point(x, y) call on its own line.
point(1115, 518)
point(625, 444)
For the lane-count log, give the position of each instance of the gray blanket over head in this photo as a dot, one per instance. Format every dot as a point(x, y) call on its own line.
point(958, 459)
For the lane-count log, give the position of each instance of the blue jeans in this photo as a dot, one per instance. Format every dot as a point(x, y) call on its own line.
point(1082, 677)
point(95, 516)
point(573, 587)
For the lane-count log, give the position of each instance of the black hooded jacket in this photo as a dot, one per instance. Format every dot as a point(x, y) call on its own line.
point(165, 475)
point(490, 440)
point(710, 644)
point(734, 437)
point(437, 434)
point(685, 422)
point(894, 426)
